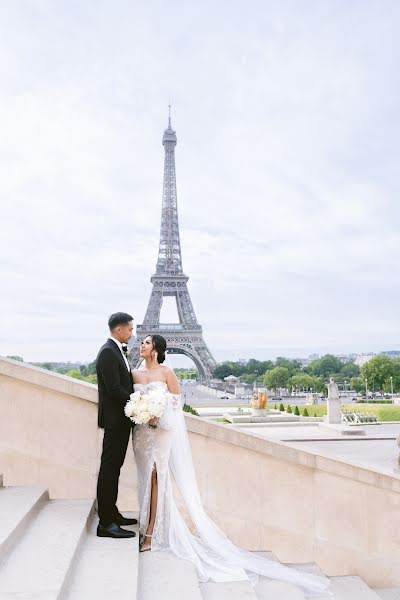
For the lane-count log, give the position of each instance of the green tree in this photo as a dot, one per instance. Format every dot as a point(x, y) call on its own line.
point(357, 384)
point(258, 367)
point(276, 378)
point(350, 370)
point(289, 409)
point(325, 367)
point(47, 365)
point(305, 412)
point(19, 358)
point(296, 411)
point(186, 373)
point(293, 366)
point(75, 373)
point(378, 371)
point(229, 368)
point(307, 382)
point(249, 378)
point(387, 386)
point(89, 369)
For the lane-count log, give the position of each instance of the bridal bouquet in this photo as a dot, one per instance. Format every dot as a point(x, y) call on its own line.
point(142, 407)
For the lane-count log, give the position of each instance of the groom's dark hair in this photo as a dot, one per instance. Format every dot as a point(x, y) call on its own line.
point(119, 318)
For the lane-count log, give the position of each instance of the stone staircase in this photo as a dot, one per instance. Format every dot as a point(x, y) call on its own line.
point(49, 551)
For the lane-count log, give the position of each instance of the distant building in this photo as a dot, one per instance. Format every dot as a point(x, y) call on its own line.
point(391, 353)
point(304, 361)
point(243, 361)
point(231, 379)
point(361, 359)
point(346, 357)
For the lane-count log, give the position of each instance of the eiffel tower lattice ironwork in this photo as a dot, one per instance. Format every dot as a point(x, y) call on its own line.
point(185, 337)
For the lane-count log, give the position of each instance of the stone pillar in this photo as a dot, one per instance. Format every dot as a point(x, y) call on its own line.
point(333, 404)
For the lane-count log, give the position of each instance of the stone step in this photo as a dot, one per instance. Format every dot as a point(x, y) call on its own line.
point(18, 507)
point(163, 576)
point(234, 590)
point(39, 566)
point(388, 593)
point(268, 555)
point(312, 568)
point(106, 568)
point(271, 589)
point(268, 588)
point(350, 588)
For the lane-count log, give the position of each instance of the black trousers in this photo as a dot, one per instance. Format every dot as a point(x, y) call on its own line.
point(115, 443)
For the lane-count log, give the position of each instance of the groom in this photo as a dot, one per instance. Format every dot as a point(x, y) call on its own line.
point(114, 381)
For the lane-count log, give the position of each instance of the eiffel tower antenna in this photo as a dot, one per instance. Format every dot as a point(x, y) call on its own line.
point(185, 337)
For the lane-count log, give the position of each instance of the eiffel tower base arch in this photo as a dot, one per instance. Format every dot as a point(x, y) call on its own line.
point(190, 344)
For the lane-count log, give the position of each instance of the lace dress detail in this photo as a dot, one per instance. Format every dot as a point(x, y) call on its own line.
point(152, 447)
point(214, 556)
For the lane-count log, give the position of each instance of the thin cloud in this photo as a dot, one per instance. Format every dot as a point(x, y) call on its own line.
point(287, 163)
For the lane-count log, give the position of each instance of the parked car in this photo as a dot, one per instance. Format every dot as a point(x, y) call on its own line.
point(223, 397)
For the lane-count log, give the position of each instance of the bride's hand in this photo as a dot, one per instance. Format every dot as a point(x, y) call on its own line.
point(154, 422)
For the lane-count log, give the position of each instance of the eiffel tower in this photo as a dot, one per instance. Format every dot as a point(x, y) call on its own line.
point(185, 337)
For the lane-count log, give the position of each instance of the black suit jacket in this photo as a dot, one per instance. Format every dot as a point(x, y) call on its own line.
point(114, 384)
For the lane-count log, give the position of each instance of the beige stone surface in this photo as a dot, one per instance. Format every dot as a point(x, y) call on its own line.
point(303, 507)
point(265, 494)
point(49, 435)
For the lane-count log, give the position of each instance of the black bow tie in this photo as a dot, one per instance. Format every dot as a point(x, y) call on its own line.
point(124, 348)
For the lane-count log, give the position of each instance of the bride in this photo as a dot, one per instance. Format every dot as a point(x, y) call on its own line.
point(165, 449)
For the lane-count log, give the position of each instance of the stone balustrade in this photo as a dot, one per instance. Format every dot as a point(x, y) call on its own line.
point(264, 494)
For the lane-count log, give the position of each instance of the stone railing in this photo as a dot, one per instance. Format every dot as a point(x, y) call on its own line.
point(49, 434)
point(264, 494)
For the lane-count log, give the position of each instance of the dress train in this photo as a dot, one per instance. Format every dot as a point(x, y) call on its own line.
point(214, 556)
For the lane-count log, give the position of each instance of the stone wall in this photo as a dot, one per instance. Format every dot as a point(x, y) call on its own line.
point(264, 494)
point(304, 507)
point(49, 434)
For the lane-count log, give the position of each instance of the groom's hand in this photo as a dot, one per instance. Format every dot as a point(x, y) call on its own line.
point(153, 422)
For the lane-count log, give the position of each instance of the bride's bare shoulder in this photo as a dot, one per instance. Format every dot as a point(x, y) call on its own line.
point(137, 375)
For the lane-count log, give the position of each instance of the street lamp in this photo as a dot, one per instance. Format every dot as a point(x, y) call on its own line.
point(345, 386)
point(366, 388)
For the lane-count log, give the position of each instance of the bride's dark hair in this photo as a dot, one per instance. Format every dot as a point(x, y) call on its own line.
point(160, 346)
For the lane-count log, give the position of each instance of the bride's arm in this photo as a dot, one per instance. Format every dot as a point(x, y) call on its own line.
point(167, 418)
point(173, 382)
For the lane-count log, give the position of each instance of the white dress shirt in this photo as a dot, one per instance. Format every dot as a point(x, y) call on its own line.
point(122, 352)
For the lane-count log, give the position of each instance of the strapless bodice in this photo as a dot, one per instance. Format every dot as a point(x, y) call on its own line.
point(152, 385)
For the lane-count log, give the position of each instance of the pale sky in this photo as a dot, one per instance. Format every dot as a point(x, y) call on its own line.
point(287, 118)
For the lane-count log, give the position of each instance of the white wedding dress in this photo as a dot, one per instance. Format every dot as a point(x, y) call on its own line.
point(214, 556)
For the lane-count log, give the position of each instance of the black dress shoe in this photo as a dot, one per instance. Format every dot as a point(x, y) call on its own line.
point(114, 531)
point(121, 520)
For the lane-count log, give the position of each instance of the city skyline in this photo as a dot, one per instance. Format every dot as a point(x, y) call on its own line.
point(178, 361)
point(286, 173)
